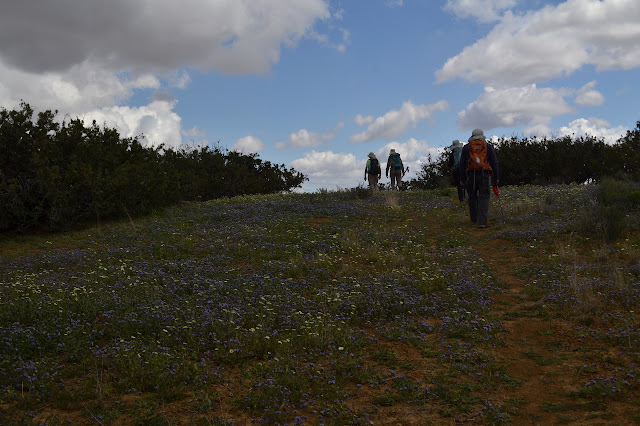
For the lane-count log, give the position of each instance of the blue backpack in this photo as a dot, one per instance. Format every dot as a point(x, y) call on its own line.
point(457, 153)
point(397, 162)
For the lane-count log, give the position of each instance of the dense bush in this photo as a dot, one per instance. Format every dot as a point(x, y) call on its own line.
point(433, 174)
point(607, 216)
point(54, 175)
point(548, 161)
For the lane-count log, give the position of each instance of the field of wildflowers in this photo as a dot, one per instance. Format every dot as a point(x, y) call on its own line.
point(328, 308)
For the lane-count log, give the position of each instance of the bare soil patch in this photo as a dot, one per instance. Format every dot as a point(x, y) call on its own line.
point(539, 349)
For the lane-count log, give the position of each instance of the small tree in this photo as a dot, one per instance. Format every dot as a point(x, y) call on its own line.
point(433, 174)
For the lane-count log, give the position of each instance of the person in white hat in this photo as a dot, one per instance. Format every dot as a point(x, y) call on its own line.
point(394, 165)
point(454, 162)
point(478, 168)
point(373, 172)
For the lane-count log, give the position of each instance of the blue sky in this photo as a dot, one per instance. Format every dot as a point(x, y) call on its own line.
point(318, 84)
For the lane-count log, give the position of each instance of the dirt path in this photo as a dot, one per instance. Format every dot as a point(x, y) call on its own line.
point(535, 343)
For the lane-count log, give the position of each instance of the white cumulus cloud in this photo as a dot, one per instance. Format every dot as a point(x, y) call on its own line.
point(554, 41)
point(330, 170)
point(595, 127)
point(538, 130)
point(512, 107)
point(79, 89)
point(234, 36)
point(156, 123)
point(248, 145)
point(588, 96)
point(87, 58)
point(362, 120)
point(305, 138)
point(394, 123)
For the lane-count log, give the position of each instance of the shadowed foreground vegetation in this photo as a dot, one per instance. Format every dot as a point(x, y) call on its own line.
point(331, 308)
point(56, 176)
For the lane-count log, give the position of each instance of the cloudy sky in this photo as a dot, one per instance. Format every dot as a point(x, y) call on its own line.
point(318, 84)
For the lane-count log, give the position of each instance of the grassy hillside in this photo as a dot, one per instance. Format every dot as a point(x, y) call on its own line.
point(331, 308)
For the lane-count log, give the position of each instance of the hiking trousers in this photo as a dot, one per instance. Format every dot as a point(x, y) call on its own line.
point(396, 178)
point(456, 181)
point(373, 182)
point(460, 192)
point(479, 190)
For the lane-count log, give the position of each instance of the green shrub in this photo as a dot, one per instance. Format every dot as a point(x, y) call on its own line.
point(56, 175)
point(607, 217)
point(622, 193)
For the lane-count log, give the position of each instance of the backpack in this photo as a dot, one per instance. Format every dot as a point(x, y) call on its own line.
point(397, 162)
point(456, 153)
point(478, 156)
point(374, 166)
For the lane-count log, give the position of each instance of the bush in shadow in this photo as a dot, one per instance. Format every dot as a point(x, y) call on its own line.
point(607, 216)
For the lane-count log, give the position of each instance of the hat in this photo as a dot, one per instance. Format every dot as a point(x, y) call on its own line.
point(393, 151)
point(455, 144)
point(477, 134)
point(372, 155)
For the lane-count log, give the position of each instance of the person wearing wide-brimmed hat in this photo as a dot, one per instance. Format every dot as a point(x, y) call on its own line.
point(478, 168)
point(454, 162)
point(373, 172)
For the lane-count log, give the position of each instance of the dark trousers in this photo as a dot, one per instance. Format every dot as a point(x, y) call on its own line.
point(479, 187)
point(456, 181)
point(460, 192)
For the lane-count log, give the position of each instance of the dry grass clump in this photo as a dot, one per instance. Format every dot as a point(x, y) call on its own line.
point(391, 199)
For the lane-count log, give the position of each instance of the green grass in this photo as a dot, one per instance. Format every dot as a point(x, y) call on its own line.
point(334, 308)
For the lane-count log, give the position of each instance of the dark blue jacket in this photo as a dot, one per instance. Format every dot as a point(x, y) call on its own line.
point(492, 159)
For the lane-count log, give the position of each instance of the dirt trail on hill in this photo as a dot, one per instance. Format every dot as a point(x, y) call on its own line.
point(537, 346)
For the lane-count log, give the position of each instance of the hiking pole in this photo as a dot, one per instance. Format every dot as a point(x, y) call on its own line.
point(497, 193)
point(404, 187)
point(475, 191)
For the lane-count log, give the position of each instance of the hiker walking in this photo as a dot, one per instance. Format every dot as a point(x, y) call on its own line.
point(454, 162)
point(478, 166)
point(373, 172)
point(394, 165)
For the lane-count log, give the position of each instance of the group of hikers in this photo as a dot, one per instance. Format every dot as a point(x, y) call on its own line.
point(373, 171)
point(474, 169)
